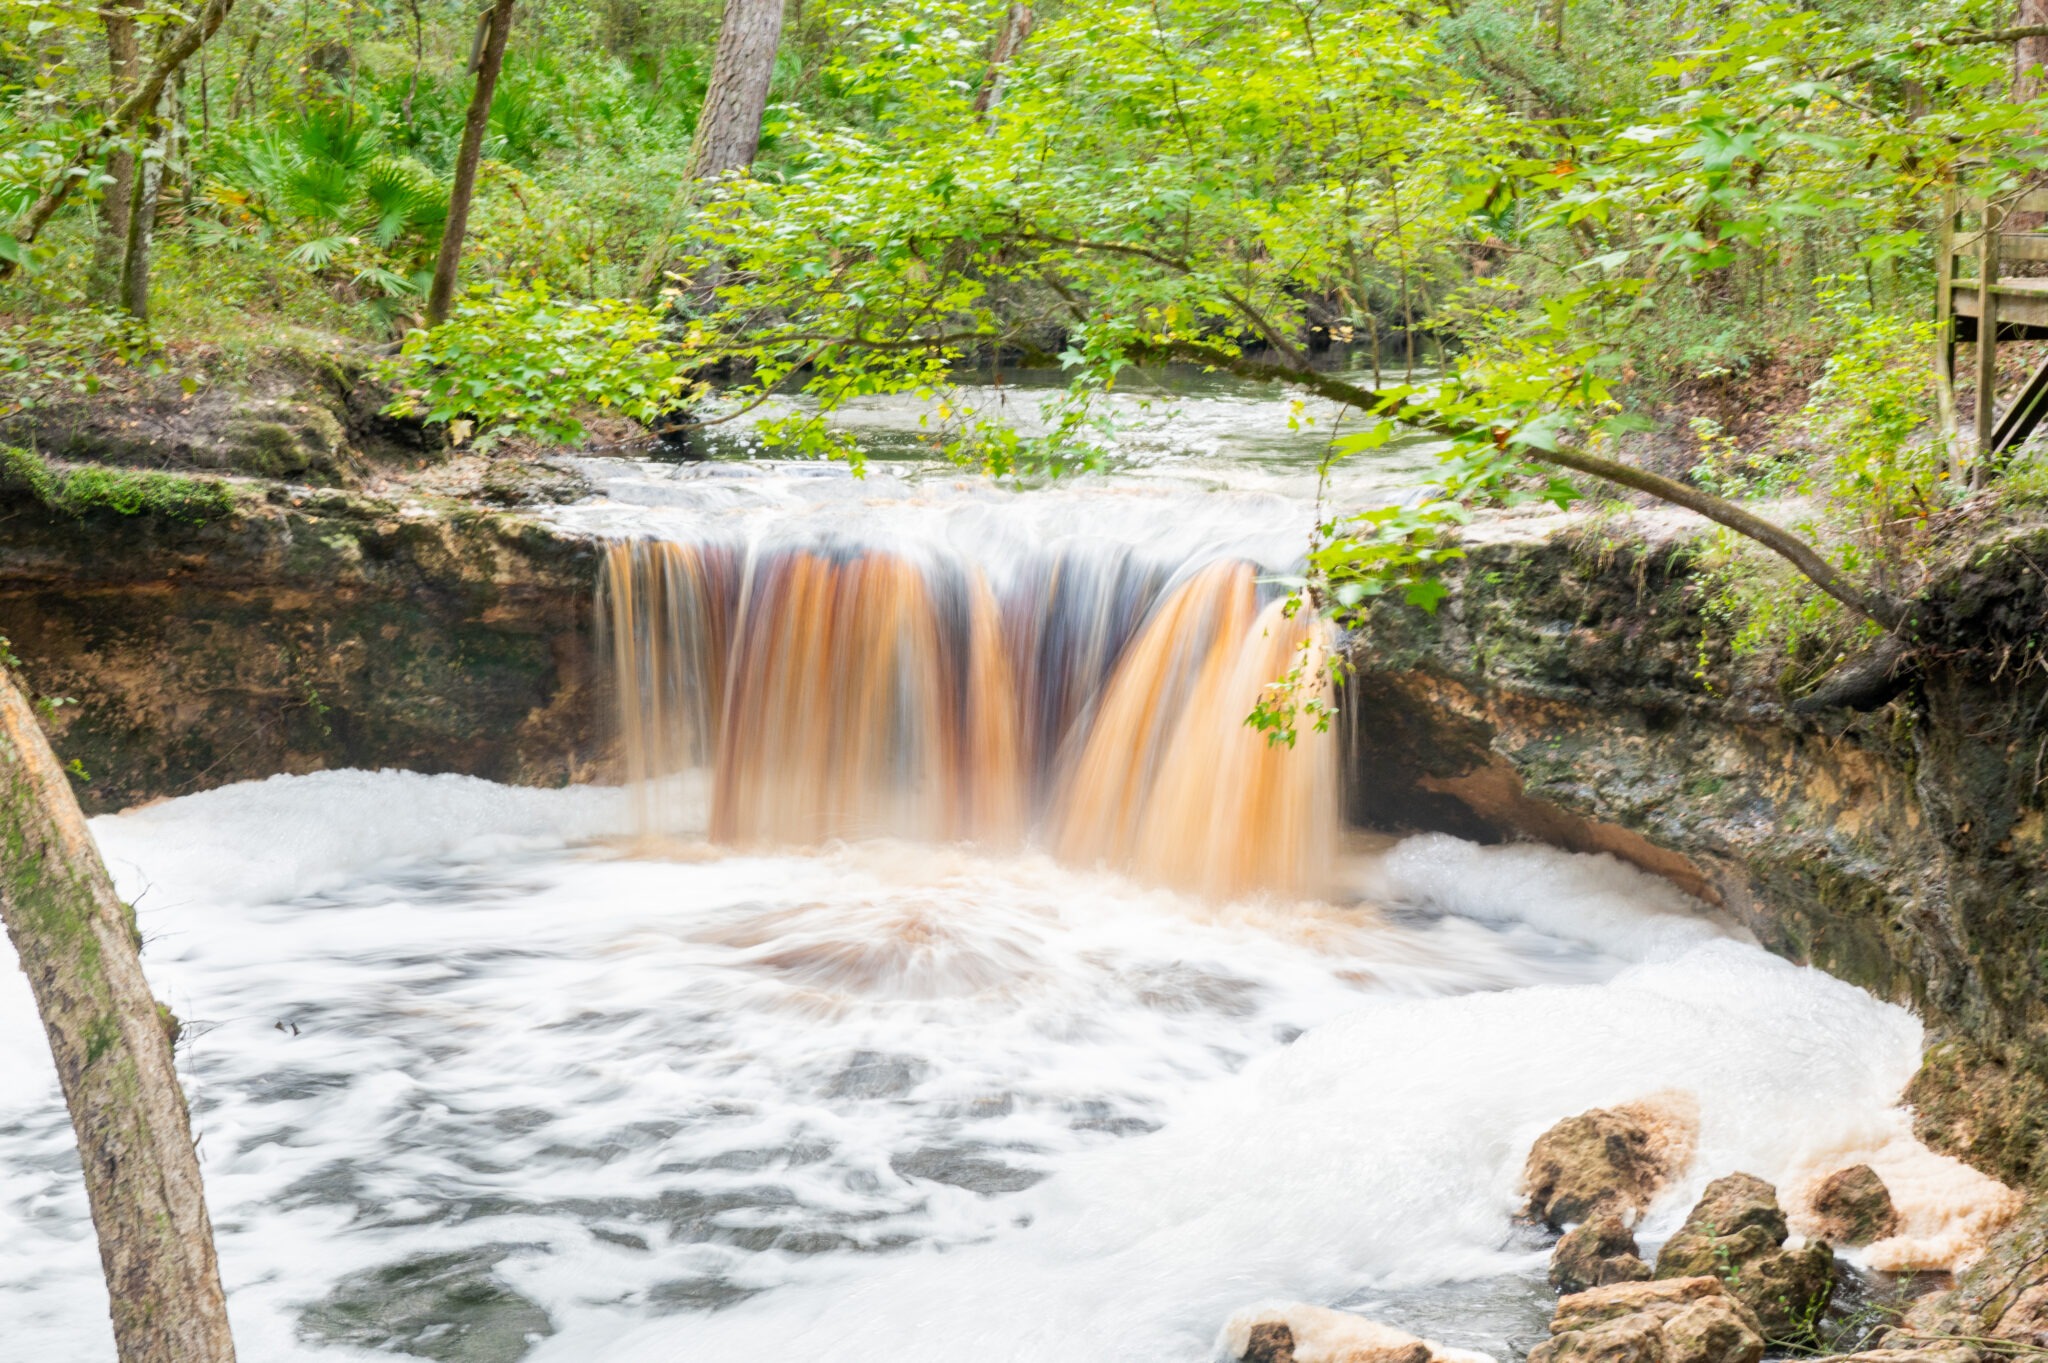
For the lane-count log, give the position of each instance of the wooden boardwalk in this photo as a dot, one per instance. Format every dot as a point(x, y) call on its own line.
point(1978, 300)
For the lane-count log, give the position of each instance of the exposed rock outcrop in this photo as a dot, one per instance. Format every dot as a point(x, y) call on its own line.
point(1853, 1207)
point(305, 631)
point(1598, 1252)
point(1606, 1161)
point(312, 417)
point(1295, 1332)
point(1735, 1233)
point(1576, 688)
point(1684, 1320)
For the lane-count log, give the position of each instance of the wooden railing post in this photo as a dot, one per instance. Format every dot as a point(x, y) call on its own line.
point(1987, 334)
point(1945, 319)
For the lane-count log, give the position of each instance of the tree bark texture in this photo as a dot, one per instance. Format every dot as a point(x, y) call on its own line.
point(729, 124)
point(145, 182)
point(488, 58)
point(112, 1042)
point(2029, 54)
point(131, 111)
point(1017, 26)
point(124, 66)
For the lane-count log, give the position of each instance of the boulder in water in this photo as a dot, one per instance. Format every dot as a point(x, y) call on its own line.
point(1678, 1320)
point(1295, 1332)
point(1735, 1234)
point(1853, 1207)
point(1734, 1204)
point(1609, 1160)
point(1598, 1252)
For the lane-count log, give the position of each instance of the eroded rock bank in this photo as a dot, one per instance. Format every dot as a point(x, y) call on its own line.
point(1574, 689)
point(302, 630)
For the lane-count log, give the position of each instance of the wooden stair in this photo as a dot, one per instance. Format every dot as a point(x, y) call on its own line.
point(1982, 304)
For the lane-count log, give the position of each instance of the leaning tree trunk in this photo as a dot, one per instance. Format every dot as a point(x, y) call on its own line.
point(112, 1042)
point(729, 124)
point(487, 59)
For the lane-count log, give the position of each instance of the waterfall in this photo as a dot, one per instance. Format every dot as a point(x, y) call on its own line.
point(1095, 704)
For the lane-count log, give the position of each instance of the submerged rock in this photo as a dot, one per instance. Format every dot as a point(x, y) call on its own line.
point(1735, 1234)
point(1606, 1160)
point(1681, 1320)
point(1295, 1332)
point(1853, 1207)
point(449, 1307)
point(1599, 1251)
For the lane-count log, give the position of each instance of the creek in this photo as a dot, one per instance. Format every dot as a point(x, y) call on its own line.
point(958, 977)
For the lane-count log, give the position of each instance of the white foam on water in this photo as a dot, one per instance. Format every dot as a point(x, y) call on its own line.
point(888, 1101)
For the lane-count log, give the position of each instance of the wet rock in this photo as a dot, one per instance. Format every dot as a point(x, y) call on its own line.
point(1596, 1253)
point(512, 481)
point(1714, 1330)
point(1631, 1339)
point(1295, 1332)
point(1935, 1353)
point(1662, 1299)
point(1734, 1204)
point(1734, 1234)
point(1270, 1342)
point(1691, 1254)
point(448, 1307)
point(1853, 1207)
point(1606, 1160)
point(1681, 1320)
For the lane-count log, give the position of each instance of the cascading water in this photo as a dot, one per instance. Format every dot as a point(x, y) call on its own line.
point(936, 1022)
point(847, 694)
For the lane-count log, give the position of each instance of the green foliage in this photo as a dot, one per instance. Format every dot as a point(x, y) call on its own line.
point(63, 355)
point(122, 492)
point(518, 361)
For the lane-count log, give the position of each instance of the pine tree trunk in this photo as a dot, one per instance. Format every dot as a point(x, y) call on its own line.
point(729, 124)
point(112, 1043)
point(488, 58)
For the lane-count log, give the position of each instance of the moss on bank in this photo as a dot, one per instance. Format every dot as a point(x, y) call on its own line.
point(122, 492)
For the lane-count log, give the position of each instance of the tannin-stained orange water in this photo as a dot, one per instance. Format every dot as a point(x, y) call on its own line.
point(1096, 706)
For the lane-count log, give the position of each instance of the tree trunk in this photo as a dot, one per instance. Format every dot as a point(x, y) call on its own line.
point(131, 111)
point(1017, 25)
point(146, 180)
point(729, 124)
point(2029, 55)
point(124, 66)
point(487, 59)
point(112, 1042)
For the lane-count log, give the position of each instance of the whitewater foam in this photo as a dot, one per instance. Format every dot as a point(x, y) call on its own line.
point(887, 1101)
